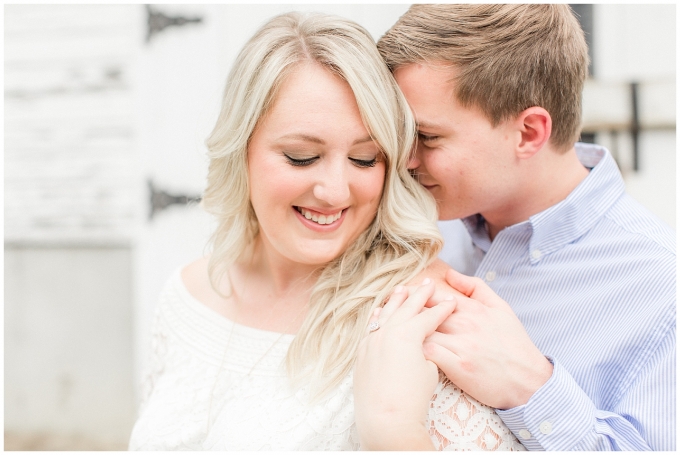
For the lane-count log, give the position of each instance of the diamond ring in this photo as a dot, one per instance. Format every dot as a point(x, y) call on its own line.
point(373, 326)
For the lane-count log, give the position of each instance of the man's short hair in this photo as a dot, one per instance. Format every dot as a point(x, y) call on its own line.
point(508, 58)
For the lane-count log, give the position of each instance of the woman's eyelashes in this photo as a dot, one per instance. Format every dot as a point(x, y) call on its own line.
point(364, 163)
point(300, 161)
point(310, 160)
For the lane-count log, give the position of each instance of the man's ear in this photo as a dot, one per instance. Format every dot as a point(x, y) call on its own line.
point(535, 127)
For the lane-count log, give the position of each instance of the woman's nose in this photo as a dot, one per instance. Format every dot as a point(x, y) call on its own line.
point(332, 188)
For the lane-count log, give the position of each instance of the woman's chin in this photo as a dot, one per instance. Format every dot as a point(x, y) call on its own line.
point(318, 256)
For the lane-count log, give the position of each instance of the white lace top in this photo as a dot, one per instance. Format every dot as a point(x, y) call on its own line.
point(191, 403)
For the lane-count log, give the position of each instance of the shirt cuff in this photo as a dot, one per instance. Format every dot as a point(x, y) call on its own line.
point(556, 417)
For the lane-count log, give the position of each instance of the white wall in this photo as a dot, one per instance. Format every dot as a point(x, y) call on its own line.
point(637, 43)
point(72, 200)
point(634, 42)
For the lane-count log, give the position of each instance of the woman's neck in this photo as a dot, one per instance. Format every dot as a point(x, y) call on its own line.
point(280, 275)
point(269, 291)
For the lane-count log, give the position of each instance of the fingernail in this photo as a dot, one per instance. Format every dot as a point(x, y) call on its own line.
point(399, 288)
point(449, 297)
point(427, 281)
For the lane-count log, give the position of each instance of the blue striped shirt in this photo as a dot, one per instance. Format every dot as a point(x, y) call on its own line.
point(592, 279)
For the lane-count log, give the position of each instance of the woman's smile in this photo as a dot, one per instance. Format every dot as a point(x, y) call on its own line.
point(318, 219)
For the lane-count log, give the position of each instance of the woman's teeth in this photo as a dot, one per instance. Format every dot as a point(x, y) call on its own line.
point(319, 219)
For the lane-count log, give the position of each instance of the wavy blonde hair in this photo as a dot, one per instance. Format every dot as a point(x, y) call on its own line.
point(403, 237)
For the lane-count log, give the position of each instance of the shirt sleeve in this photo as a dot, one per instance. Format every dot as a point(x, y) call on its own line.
point(561, 416)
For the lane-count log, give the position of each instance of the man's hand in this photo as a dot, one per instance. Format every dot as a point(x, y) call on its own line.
point(483, 348)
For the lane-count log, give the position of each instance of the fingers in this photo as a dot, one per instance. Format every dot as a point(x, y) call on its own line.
point(442, 291)
point(395, 301)
point(428, 321)
point(445, 359)
point(472, 287)
point(446, 341)
point(460, 282)
point(414, 302)
point(403, 306)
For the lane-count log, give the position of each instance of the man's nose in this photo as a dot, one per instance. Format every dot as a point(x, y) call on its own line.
point(414, 161)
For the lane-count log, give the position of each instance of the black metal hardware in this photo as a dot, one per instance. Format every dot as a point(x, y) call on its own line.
point(584, 14)
point(157, 21)
point(635, 124)
point(587, 138)
point(160, 199)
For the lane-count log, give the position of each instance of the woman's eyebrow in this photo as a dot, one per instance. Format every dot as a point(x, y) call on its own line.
point(303, 137)
point(318, 140)
point(361, 141)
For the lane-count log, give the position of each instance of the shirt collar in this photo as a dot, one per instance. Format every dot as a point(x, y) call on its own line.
point(572, 217)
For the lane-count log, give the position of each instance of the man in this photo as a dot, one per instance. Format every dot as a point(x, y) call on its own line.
point(582, 355)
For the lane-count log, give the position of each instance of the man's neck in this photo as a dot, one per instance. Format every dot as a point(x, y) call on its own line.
point(547, 182)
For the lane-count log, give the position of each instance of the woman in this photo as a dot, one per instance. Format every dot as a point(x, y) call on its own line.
point(318, 220)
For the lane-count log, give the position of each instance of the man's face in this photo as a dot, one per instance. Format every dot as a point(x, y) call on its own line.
point(461, 159)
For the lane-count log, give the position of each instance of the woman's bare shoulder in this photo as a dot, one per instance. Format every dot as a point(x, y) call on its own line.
point(435, 271)
point(196, 279)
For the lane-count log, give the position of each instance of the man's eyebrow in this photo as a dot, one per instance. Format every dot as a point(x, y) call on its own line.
point(428, 125)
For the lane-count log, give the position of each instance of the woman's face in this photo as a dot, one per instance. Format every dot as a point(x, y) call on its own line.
point(315, 174)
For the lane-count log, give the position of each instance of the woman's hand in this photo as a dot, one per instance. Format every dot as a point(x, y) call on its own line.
point(393, 382)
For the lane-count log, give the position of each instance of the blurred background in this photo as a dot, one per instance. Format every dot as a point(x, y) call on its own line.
point(106, 108)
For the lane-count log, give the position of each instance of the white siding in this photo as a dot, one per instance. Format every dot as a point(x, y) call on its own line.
point(70, 158)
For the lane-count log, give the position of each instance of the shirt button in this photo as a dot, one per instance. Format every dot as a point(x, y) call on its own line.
point(524, 434)
point(490, 276)
point(545, 427)
point(536, 254)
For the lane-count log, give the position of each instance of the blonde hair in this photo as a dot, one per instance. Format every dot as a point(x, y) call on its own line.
point(401, 240)
point(508, 58)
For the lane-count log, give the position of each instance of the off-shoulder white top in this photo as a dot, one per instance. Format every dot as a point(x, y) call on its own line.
point(217, 385)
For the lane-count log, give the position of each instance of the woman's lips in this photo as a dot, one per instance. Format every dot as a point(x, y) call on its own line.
point(331, 220)
point(320, 218)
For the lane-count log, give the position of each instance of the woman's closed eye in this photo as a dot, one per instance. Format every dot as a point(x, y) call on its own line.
point(364, 162)
point(308, 160)
point(300, 161)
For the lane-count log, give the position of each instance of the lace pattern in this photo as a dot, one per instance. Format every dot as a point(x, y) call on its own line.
point(197, 397)
point(457, 421)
